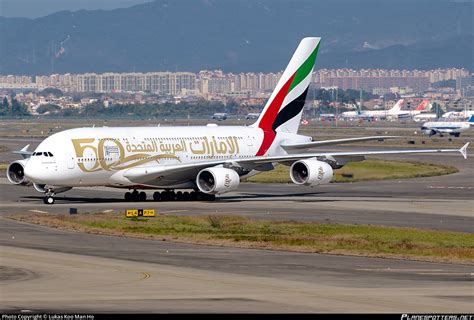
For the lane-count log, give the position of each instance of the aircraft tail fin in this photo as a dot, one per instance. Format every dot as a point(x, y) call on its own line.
point(471, 120)
point(397, 106)
point(424, 105)
point(283, 110)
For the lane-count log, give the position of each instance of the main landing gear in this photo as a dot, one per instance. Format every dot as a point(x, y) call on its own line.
point(135, 196)
point(169, 195)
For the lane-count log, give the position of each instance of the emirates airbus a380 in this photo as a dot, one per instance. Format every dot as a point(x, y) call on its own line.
point(208, 160)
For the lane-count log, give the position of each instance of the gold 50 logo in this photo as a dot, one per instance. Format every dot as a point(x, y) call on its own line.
point(109, 154)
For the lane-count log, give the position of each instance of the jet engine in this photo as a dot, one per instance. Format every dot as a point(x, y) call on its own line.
point(217, 180)
point(310, 172)
point(16, 173)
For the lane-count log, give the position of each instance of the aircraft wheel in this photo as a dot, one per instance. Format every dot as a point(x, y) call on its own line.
point(186, 196)
point(135, 196)
point(48, 200)
point(179, 196)
point(193, 196)
point(128, 196)
point(172, 195)
point(209, 197)
point(142, 196)
point(156, 196)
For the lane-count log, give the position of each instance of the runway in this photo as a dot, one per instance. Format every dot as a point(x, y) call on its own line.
point(45, 269)
point(74, 272)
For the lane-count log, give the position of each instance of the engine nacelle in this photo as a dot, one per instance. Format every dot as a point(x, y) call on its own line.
point(311, 172)
point(16, 173)
point(43, 188)
point(217, 180)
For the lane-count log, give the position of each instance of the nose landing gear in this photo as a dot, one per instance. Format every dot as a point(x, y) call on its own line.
point(48, 197)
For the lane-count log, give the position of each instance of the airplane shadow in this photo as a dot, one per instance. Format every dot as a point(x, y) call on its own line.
point(310, 197)
point(239, 198)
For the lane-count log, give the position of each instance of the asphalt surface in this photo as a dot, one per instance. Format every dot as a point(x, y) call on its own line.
point(44, 269)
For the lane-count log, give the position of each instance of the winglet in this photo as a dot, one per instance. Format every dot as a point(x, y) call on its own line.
point(463, 150)
point(25, 148)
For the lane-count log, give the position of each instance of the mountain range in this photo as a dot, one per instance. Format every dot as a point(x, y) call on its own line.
point(240, 36)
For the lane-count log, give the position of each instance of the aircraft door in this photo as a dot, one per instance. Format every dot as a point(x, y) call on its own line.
point(70, 161)
point(249, 141)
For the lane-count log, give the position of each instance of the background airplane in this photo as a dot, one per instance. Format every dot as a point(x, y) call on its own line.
point(458, 115)
point(424, 106)
point(219, 116)
point(252, 116)
point(453, 128)
point(374, 114)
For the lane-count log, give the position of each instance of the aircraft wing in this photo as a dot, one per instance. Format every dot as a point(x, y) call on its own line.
point(167, 174)
point(313, 144)
point(24, 152)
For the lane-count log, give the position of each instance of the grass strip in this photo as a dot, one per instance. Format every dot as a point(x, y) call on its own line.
point(363, 240)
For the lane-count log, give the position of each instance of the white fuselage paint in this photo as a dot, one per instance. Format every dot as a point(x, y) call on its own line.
point(102, 156)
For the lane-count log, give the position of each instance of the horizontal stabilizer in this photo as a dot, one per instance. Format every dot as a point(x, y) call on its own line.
point(313, 144)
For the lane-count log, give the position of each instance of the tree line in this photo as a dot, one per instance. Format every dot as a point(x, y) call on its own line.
point(14, 108)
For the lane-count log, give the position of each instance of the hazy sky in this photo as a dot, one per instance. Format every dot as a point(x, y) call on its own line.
point(39, 8)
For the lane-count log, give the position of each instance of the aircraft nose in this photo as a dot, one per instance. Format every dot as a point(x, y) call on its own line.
point(31, 171)
point(28, 171)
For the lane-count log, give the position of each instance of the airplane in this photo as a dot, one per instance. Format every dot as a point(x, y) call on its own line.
point(219, 116)
point(327, 117)
point(458, 115)
point(207, 160)
point(453, 128)
point(374, 114)
point(252, 116)
point(425, 117)
point(422, 107)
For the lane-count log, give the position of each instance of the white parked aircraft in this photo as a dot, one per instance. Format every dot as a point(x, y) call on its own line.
point(458, 115)
point(219, 116)
point(252, 116)
point(375, 114)
point(425, 117)
point(423, 107)
point(207, 159)
point(453, 128)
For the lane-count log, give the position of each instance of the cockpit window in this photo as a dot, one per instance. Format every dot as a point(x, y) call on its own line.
point(34, 154)
point(50, 154)
point(39, 153)
point(46, 154)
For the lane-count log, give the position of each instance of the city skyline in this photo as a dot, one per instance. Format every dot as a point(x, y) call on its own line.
point(217, 81)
